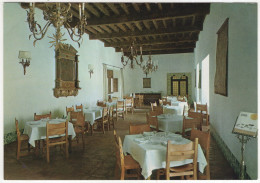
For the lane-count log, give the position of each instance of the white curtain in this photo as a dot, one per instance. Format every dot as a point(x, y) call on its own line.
point(122, 83)
point(105, 87)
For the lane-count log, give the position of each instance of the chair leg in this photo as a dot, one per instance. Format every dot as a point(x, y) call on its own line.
point(48, 153)
point(18, 150)
point(103, 127)
point(83, 140)
point(122, 174)
point(67, 150)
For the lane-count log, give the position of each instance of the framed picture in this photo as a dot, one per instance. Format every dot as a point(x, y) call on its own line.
point(146, 82)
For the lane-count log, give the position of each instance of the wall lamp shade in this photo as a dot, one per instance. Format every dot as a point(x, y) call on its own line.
point(25, 57)
point(91, 69)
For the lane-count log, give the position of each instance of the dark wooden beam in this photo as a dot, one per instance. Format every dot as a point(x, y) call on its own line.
point(148, 7)
point(124, 7)
point(91, 9)
point(154, 42)
point(113, 8)
point(136, 7)
point(101, 7)
point(161, 52)
point(162, 47)
point(155, 15)
point(137, 33)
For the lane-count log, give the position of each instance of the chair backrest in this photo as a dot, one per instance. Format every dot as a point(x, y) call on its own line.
point(57, 129)
point(139, 128)
point(80, 119)
point(129, 102)
point(194, 114)
point(202, 108)
point(191, 123)
point(120, 105)
point(167, 103)
point(116, 137)
point(180, 152)
point(69, 109)
point(114, 99)
point(152, 120)
point(141, 98)
point(41, 116)
point(158, 110)
point(160, 102)
point(79, 107)
point(101, 103)
point(204, 141)
point(74, 116)
point(17, 129)
point(105, 115)
point(119, 154)
point(153, 104)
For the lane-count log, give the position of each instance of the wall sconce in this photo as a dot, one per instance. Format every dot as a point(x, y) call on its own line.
point(91, 69)
point(25, 57)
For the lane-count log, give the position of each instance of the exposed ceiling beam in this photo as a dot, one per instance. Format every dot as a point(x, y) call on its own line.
point(114, 28)
point(146, 24)
point(155, 24)
point(98, 29)
point(160, 6)
point(91, 9)
point(153, 42)
point(130, 26)
point(148, 7)
point(160, 52)
point(121, 26)
point(137, 33)
point(191, 11)
point(164, 23)
point(106, 29)
point(137, 24)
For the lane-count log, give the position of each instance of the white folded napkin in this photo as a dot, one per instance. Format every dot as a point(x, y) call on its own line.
point(148, 133)
point(141, 140)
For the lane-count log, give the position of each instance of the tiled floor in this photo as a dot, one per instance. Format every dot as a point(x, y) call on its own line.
point(95, 162)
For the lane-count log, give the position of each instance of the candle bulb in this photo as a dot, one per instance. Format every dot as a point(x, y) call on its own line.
point(79, 11)
point(83, 8)
point(30, 4)
point(141, 49)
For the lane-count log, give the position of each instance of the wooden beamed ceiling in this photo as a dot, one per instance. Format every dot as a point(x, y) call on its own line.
point(160, 28)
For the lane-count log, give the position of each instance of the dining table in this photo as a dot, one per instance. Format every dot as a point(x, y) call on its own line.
point(92, 113)
point(36, 130)
point(149, 150)
point(170, 122)
point(172, 109)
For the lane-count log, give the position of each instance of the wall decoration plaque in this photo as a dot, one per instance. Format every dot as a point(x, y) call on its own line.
point(146, 82)
point(66, 83)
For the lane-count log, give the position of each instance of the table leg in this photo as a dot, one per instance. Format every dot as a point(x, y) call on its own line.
point(37, 147)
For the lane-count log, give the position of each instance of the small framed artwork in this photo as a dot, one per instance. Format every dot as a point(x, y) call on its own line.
point(146, 82)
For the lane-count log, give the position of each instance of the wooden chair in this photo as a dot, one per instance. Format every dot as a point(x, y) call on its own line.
point(120, 109)
point(188, 124)
point(139, 128)
point(153, 105)
point(192, 114)
point(158, 110)
point(182, 152)
point(167, 103)
point(21, 138)
point(56, 129)
point(41, 116)
point(139, 100)
point(69, 109)
point(203, 109)
point(79, 126)
point(204, 141)
point(112, 117)
point(79, 107)
point(101, 103)
point(160, 102)
point(129, 104)
point(152, 120)
point(125, 163)
point(104, 121)
point(115, 137)
point(114, 99)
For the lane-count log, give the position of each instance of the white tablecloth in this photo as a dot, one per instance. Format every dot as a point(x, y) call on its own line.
point(93, 113)
point(171, 99)
point(170, 122)
point(36, 130)
point(172, 109)
point(151, 154)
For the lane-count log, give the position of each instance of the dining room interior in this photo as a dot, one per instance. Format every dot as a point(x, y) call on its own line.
point(130, 91)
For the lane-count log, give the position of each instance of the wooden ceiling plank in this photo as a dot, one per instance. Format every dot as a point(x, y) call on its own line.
point(193, 20)
point(137, 24)
point(102, 8)
point(113, 8)
point(114, 28)
point(155, 24)
point(204, 9)
point(146, 24)
point(106, 28)
point(121, 26)
point(148, 7)
point(160, 6)
point(90, 7)
point(98, 29)
point(156, 41)
point(130, 26)
point(124, 7)
point(164, 23)
point(91, 30)
point(136, 7)
point(174, 22)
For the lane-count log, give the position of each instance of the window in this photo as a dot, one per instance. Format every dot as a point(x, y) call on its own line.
point(179, 86)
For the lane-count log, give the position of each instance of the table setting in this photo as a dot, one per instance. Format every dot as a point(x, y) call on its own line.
point(149, 150)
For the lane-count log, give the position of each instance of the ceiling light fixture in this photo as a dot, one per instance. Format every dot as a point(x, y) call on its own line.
point(150, 66)
point(133, 54)
point(57, 14)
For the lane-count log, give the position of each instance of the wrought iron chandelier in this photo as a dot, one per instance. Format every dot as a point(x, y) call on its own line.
point(132, 56)
point(150, 66)
point(57, 14)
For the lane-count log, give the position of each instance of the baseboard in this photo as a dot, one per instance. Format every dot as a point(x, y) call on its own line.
point(234, 163)
point(10, 137)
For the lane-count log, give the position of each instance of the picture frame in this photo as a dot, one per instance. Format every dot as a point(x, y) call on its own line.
point(146, 82)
